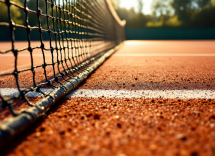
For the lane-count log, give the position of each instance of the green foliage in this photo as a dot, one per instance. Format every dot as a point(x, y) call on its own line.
point(187, 9)
point(165, 21)
point(162, 8)
point(173, 21)
point(195, 13)
point(172, 13)
point(204, 18)
point(213, 3)
point(133, 19)
point(155, 23)
point(33, 20)
point(166, 13)
point(14, 11)
point(18, 15)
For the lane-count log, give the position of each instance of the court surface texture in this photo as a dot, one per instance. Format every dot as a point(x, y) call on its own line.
point(148, 98)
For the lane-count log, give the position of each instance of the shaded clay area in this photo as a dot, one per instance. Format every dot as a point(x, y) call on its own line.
point(124, 127)
point(18, 106)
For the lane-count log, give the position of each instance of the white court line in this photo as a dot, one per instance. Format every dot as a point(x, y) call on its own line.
point(164, 55)
point(14, 92)
point(158, 94)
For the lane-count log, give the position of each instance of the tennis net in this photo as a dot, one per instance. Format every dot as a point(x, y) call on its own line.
point(73, 35)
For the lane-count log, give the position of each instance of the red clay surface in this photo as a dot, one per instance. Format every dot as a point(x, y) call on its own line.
point(124, 127)
point(161, 72)
point(130, 127)
point(154, 73)
point(168, 47)
point(134, 72)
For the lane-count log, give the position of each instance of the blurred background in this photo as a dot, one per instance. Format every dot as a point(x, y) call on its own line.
point(167, 19)
point(146, 19)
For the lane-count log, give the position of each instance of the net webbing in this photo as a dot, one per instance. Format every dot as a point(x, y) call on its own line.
point(79, 31)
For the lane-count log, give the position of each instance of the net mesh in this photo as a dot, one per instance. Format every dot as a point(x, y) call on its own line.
point(71, 35)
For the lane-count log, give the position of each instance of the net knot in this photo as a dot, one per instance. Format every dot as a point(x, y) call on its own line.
point(26, 9)
point(52, 49)
point(15, 52)
point(4, 104)
point(56, 79)
point(22, 94)
point(39, 11)
point(49, 83)
point(44, 65)
point(40, 29)
point(7, 2)
point(52, 5)
point(28, 29)
point(42, 46)
point(38, 89)
point(30, 49)
point(15, 73)
point(11, 24)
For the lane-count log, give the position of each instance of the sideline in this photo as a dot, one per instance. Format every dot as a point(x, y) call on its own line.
point(157, 94)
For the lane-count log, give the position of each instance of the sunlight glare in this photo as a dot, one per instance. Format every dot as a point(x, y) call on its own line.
point(132, 42)
point(133, 3)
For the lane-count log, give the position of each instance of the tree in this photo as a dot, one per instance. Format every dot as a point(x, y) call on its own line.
point(133, 19)
point(140, 6)
point(14, 11)
point(185, 9)
point(162, 8)
point(204, 18)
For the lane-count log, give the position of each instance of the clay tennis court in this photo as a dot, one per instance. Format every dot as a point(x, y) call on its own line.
point(148, 98)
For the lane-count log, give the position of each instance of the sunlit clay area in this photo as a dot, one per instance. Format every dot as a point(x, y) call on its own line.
point(107, 77)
